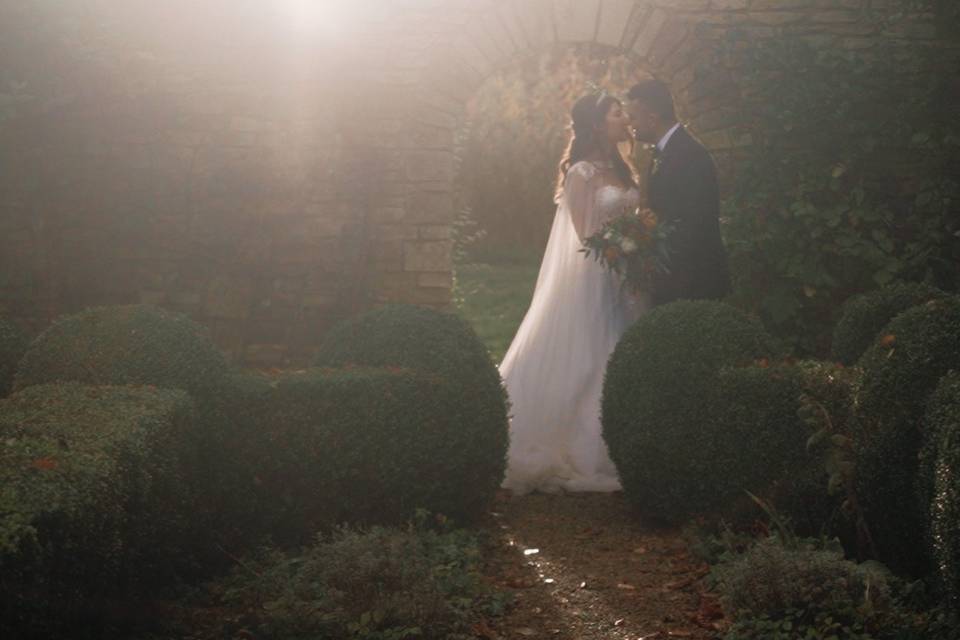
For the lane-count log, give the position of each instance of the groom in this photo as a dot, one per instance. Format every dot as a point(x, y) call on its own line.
point(682, 190)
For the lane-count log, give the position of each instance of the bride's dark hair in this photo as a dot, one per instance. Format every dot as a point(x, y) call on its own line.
point(587, 115)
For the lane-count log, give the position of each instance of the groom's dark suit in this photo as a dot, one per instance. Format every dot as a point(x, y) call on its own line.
point(683, 192)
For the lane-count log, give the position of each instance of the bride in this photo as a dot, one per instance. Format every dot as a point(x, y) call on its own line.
point(554, 368)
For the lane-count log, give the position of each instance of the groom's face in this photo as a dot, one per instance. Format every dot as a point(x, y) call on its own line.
point(643, 121)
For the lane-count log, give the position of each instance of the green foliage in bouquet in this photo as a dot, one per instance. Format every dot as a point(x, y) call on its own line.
point(660, 391)
point(634, 245)
point(437, 344)
point(939, 483)
point(919, 346)
point(13, 344)
point(843, 188)
point(376, 584)
point(92, 501)
point(369, 446)
point(863, 316)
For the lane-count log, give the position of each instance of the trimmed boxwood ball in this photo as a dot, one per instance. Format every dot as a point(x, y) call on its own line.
point(440, 344)
point(13, 344)
point(129, 344)
point(91, 498)
point(939, 483)
point(919, 346)
point(370, 446)
point(863, 316)
point(659, 396)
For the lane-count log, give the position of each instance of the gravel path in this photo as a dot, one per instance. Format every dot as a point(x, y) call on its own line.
point(584, 567)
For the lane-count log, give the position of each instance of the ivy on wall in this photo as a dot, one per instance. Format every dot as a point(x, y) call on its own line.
point(851, 183)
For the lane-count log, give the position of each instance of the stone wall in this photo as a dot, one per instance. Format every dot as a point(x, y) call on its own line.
point(214, 158)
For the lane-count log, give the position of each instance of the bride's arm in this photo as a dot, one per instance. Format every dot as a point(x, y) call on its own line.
point(578, 195)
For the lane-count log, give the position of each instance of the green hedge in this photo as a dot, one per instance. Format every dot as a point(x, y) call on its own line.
point(759, 442)
point(899, 374)
point(13, 344)
point(369, 447)
point(139, 344)
point(133, 344)
point(939, 483)
point(91, 501)
point(440, 344)
point(862, 317)
point(659, 393)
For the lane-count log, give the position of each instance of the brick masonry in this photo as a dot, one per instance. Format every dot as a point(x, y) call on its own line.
point(269, 179)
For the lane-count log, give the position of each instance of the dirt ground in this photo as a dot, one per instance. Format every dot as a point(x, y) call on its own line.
point(584, 567)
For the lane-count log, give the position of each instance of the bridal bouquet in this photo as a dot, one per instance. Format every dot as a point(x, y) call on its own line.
point(633, 245)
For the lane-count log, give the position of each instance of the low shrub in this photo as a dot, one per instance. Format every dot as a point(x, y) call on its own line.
point(370, 446)
point(773, 591)
point(919, 346)
point(659, 393)
point(91, 499)
point(939, 483)
point(376, 584)
point(13, 344)
point(133, 344)
point(864, 316)
point(442, 345)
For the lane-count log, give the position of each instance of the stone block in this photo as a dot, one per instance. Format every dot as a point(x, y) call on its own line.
point(436, 232)
point(575, 20)
point(614, 18)
point(536, 20)
point(265, 355)
point(435, 280)
point(654, 21)
point(228, 297)
point(429, 207)
point(427, 255)
point(430, 166)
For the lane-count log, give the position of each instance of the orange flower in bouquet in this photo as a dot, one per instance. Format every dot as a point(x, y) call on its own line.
point(634, 245)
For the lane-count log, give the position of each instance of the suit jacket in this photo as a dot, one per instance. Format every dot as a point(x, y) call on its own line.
point(683, 191)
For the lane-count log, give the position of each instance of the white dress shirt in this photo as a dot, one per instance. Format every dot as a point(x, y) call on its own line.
point(666, 137)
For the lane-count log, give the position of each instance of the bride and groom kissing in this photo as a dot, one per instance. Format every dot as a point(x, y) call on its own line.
point(554, 368)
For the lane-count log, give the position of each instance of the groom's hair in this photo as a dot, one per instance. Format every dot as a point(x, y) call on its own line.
point(656, 95)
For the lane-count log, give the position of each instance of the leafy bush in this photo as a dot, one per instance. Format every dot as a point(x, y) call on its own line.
point(863, 316)
point(134, 344)
point(939, 482)
point(443, 345)
point(380, 584)
point(139, 344)
point(660, 390)
point(919, 346)
point(823, 206)
point(776, 591)
point(763, 438)
point(370, 446)
point(13, 343)
point(91, 500)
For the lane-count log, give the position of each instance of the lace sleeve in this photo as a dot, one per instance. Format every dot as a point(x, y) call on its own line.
point(578, 194)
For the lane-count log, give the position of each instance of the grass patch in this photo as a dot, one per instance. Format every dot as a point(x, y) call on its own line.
point(493, 298)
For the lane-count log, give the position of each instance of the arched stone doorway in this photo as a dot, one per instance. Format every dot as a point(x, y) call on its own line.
point(480, 39)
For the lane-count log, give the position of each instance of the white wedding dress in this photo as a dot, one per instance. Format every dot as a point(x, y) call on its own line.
point(553, 370)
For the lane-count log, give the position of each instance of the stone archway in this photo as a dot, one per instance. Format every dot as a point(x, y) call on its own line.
point(196, 155)
point(482, 38)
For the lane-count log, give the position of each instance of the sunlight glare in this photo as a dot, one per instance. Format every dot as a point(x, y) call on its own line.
point(317, 17)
